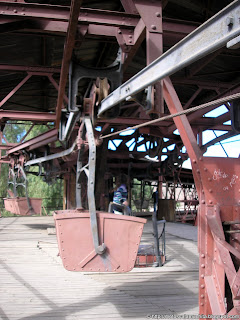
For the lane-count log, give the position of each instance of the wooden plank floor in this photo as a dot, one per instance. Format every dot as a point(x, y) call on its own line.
point(34, 285)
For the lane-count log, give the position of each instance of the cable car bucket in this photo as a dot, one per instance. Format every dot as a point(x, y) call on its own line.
point(91, 241)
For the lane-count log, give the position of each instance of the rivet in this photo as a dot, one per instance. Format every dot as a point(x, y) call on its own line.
point(202, 275)
point(158, 14)
point(218, 293)
point(203, 265)
point(15, 11)
point(198, 171)
point(210, 201)
point(130, 41)
point(203, 201)
point(203, 255)
point(210, 190)
point(202, 304)
point(202, 286)
point(62, 249)
point(201, 159)
point(119, 31)
point(130, 36)
point(153, 27)
point(230, 21)
point(202, 296)
point(194, 161)
point(205, 169)
point(209, 179)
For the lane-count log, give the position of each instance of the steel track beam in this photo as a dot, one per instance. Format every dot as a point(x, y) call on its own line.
point(209, 37)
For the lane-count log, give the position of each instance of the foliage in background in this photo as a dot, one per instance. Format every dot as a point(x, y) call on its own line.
point(37, 188)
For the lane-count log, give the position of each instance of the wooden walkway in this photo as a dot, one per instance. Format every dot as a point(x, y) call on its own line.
point(34, 285)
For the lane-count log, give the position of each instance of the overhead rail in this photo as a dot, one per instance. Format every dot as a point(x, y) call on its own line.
point(209, 37)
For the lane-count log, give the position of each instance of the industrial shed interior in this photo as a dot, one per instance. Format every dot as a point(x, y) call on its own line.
point(128, 90)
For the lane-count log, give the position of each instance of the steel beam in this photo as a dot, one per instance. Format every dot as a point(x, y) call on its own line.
point(67, 55)
point(27, 116)
point(14, 90)
point(40, 140)
point(209, 37)
point(34, 69)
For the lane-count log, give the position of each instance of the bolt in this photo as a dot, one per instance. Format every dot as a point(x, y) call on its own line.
point(230, 21)
point(158, 14)
point(153, 27)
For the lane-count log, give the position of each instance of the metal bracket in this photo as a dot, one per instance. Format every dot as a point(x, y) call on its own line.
point(77, 72)
point(89, 170)
point(23, 184)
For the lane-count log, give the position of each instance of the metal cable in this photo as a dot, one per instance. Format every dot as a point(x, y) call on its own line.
point(183, 112)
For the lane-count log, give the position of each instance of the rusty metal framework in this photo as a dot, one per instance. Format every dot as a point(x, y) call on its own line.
point(93, 72)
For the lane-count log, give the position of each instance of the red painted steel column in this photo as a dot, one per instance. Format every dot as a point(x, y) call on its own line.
point(218, 185)
point(151, 13)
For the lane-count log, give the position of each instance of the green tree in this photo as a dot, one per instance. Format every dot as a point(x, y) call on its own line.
point(37, 188)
